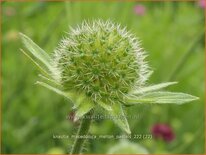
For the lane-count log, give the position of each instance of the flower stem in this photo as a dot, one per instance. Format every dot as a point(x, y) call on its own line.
point(83, 130)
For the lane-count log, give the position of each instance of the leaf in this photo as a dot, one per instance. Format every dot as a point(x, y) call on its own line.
point(162, 98)
point(56, 90)
point(153, 87)
point(41, 68)
point(37, 53)
point(84, 107)
point(50, 81)
point(79, 99)
point(119, 117)
point(105, 106)
point(82, 104)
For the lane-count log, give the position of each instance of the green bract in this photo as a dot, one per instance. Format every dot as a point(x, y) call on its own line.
point(100, 64)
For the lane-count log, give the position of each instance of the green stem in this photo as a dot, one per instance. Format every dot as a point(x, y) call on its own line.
point(83, 130)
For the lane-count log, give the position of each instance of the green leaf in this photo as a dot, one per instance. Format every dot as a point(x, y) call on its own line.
point(153, 88)
point(82, 104)
point(50, 81)
point(119, 117)
point(38, 55)
point(56, 90)
point(41, 68)
point(105, 106)
point(79, 99)
point(161, 97)
point(84, 107)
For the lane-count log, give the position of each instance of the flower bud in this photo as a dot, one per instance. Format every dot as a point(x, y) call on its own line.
point(101, 60)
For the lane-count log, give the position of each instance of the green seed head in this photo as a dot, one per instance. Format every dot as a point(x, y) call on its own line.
point(101, 60)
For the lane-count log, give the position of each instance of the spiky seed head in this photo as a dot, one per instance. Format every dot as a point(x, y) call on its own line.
point(101, 60)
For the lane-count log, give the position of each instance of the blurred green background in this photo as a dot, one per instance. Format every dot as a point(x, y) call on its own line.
point(171, 32)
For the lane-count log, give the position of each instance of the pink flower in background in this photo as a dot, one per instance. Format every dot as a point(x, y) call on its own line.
point(139, 10)
point(10, 11)
point(163, 131)
point(202, 3)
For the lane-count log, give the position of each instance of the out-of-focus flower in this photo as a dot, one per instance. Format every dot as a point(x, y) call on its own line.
point(202, 3)
point(11, 35)
point(10, 11)
point(139, 10)
point(127, 147)
point(56, 150)
point(163, 131)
